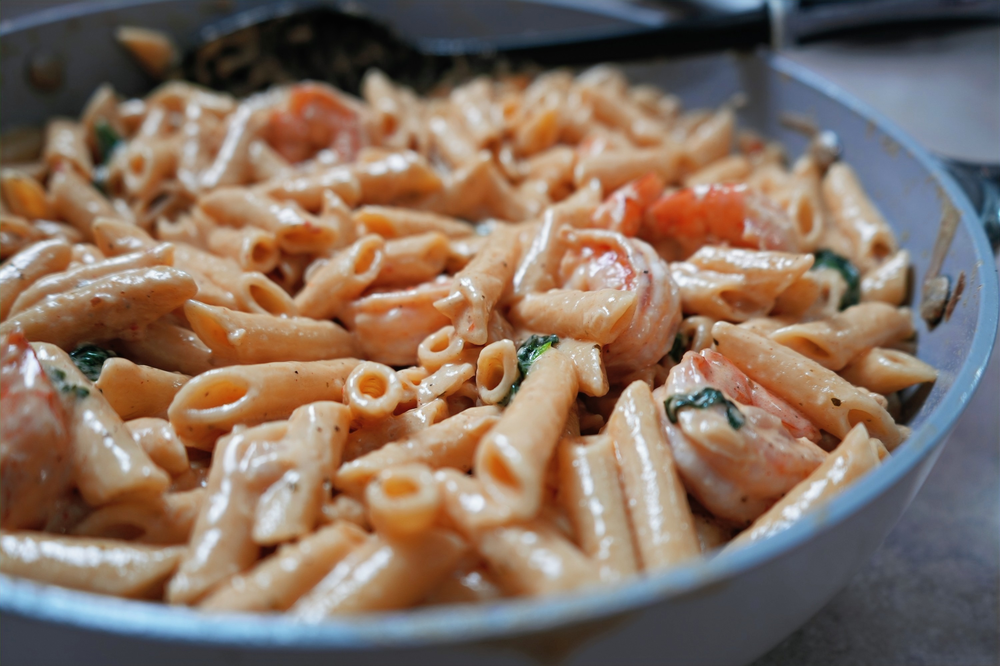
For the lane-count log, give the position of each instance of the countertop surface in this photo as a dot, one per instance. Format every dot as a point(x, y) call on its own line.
point(931, 594)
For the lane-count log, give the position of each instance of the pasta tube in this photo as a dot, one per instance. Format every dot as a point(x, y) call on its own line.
point(104, 566)
point(855, 456)
point(887, 371)
point(834, 342)
point(253, 248)
point(530, 558)
point(278, 581)
point(403, 500)
point(134, 390)
point(26, 267)
point(341, 279)
point(74, 278)
point(390, 222)
point(413, 259)
point(600, 315)
point(313, 446)
point(496, 371)
point(157, 438)
point(65, 143)
point(479, 285)
point(371, 436)
point(856, 217)
point(656, 500)
point(372, 391)
point(389, 326)
point(169, 347)
point(248, 338)
point(165, 520)
point(212, 403)
point(512, 457)
point(109, 307)
point(826, 399)
point(590, 492)
point(221, 543)
point(448, 443)
point(383, 574)
point(76, 201)
point(106, 460)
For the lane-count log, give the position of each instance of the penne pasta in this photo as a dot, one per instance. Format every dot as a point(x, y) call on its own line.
point(160, 255)
point(512, 456)
point(593, 499)
point(253, 248)
point(834, 342)
point(531, 558)
point(65, 143)
point(600, 315)
point(157, 438)
point(313, 445)
point(827, 400)
point(888, 282)
point(107, 462)
point(403, 500)
point(169, 347)
point(250, 338)
point(856, 455)
point(26, 267)
point(391, 222)
point(856, 217)
point(135, 391)
point(76, 201)
point(104, 566)
point(477, 287)
point(496, 371)
point(165, 520)
point(383, 575)
point(887, 371)
point(278, 581)
point(213, 402)
point(108, 307)
point(659, 514)
point(341, 279)
point(451, 442)
point(412, 260)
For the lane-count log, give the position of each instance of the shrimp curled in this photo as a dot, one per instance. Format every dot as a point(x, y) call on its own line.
point(737, 473)
point(600, 259)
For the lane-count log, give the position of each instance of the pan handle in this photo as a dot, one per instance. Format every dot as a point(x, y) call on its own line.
point(797, 21)
point(981, 182)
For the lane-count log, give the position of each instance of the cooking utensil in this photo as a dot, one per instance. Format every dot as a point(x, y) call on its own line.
point(337, 42)
point(724, 611)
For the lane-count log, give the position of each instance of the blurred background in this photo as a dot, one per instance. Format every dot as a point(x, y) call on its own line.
point(931, 595)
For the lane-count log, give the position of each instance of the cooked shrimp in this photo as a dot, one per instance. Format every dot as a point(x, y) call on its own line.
point(315, 117)
point(736, 465)
point(712, 368)
point(598, 259)
point(35, 464)
point(624, 208)
point(719, 214)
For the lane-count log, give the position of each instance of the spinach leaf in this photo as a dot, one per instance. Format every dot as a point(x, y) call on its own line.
point(59, 381)
point(703, 399)
point(830, 259)
point(680, 346)
point(107, 139)
point(90, 359)
point(527, 354)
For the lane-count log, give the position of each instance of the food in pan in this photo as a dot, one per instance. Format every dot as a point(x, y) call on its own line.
point(309, 353)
